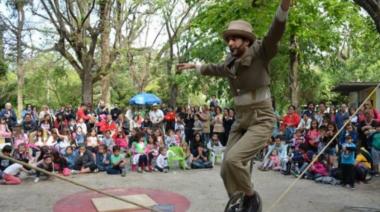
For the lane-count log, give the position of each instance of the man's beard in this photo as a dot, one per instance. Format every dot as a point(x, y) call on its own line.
point(238, 51)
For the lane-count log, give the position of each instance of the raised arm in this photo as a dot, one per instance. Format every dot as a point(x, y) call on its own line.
point(277, 29)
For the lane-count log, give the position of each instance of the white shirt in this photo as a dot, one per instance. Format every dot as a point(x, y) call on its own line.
point(156, 116)
point(162, 161)
point(83, 126)
point(13, 169)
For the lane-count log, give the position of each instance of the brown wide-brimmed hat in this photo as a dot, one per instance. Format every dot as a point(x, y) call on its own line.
point(239, 28)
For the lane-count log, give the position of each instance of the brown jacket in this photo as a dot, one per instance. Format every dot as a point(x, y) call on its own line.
point(250, 71)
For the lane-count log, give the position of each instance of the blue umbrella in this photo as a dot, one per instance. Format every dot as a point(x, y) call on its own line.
point(144, 99)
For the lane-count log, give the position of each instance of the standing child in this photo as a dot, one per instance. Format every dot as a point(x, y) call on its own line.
point(162, 161)
point(348, 162)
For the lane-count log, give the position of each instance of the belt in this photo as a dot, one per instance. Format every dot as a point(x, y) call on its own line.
point(252, 97)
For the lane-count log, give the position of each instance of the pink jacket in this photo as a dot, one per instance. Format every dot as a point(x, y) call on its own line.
point(121, 142)
point(319, 168)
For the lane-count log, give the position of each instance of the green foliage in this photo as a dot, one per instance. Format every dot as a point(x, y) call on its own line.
point(50, 81)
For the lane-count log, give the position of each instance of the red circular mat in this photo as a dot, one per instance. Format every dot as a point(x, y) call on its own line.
point(81, 201)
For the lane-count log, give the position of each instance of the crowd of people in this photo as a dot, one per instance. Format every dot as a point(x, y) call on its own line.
point(346, 156)
point(89, 140)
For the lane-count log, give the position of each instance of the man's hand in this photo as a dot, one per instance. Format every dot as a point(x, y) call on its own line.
point(183, 66)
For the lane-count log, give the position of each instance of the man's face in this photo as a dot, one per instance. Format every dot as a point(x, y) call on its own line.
point(28, 118)
point(237, 46)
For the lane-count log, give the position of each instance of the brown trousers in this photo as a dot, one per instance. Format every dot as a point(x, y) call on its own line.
point(249, 133)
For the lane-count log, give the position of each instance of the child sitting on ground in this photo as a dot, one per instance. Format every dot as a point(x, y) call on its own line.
point(121, 140)
point(273, 162)
point(298, 139)
point(151, 150)
point(139, 157)
point(162, 161)
point(170, 139)
point(318, 169)
point(70, 157)
point(118, 162)
point(216, 148)
point(188, 156)
point(102, 158)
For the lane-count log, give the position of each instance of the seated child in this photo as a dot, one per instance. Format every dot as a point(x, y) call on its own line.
point(70, 156)
point(118, 162)
point(121, 140)
point(200, 159)
point(102, 158)
point(363, 165)
point(216, 148)
point(188, 155)
point(318, 169)
point(273, 162)
point(139, 157)
point(107, 139)
point(162, 161)
point(84, 162)
point(298, 139)
point(170, 139)
point(151, 150)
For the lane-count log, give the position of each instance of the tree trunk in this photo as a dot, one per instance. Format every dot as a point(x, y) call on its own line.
point(293, 71)
point(173, 94)
point(19, 59)
point(1, 42)
point(106, 90)
point(373, 9)
point(87, 91)
point(105, 51)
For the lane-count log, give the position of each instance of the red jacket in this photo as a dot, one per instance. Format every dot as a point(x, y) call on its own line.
point(170, 116)
point(82, 114)
point(293, 119)
point(105, 126)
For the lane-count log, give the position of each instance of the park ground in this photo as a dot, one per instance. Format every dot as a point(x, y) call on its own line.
point(203, 188)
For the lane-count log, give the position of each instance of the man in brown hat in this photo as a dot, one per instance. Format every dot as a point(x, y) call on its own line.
point(246, 69)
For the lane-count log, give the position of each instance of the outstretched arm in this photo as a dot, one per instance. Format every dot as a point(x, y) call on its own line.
point(276, 30)
point(218, 70)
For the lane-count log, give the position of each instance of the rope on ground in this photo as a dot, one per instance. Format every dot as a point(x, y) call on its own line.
point(76, 183)
point(287, 190)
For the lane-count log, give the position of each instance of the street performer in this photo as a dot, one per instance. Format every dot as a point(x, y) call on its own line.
point(246, 69)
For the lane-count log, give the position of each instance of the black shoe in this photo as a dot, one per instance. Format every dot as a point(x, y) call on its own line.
point(251, 204)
